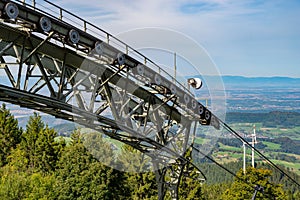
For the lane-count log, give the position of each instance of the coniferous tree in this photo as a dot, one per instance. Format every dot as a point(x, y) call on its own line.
point(98, 147)
point(190, 183)
point(10, 134)
point(81, 176)
point(214, 191)
point(16, 184)
point(13, 184)
point(244, 186)
point(38, 151)
point(28, 145)
point(140, 179)
point(46, 151)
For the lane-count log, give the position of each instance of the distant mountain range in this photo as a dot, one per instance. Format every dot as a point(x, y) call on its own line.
point(261, 81)
point(256, 82)
point(235, 81)
point(243, 94)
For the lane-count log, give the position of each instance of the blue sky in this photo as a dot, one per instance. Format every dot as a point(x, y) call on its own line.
point(248, 38)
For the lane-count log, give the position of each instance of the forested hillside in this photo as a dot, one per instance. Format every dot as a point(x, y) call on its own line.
point(271, 119)
point(37, 164)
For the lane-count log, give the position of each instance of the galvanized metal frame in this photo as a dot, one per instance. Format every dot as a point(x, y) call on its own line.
point(56, 69)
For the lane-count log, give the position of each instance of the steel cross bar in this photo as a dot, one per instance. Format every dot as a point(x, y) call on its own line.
point(8, 46)
point(39, 46)
point(10, 76)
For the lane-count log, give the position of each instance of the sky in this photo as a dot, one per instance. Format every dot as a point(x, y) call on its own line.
point(247, 38)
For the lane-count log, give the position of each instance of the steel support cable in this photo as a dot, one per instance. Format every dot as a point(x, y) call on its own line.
point(211, 159)
point(229, 129)
point(221, 166)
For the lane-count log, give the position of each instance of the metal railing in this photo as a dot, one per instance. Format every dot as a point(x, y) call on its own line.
point(50, 9)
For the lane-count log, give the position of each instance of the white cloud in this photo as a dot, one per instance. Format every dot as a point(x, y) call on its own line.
point(167, 13)
point(227, 28)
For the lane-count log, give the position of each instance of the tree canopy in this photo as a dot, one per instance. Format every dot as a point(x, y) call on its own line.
point(36, 163)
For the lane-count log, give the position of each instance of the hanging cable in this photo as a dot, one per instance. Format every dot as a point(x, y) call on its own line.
point(233, 174)
point(229, 171)
point(229, 129)
point(211, 159)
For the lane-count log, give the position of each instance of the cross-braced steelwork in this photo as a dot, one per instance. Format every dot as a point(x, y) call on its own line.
point(78, 72)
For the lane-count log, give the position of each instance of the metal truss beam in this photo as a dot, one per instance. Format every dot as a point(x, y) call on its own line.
point(67, 79)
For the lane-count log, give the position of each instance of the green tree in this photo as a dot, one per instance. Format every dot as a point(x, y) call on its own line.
point(98, 147)
point(191, 186)
point(140, 180)
point(46, 151)
point(28, 145)
point(13, 185)
point(23, 185)
point(190, 183)
point(213, 191)
point(38, 151)
point(243, 186)
point(41, 186)
point(296, 195)
point(10, 134)
point(81, 176)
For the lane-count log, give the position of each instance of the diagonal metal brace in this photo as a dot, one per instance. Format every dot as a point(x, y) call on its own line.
point(135, 109)
point(114, 74)
point(164, 102)
point(39, 46)
point(8, 46)
point(44, 74)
